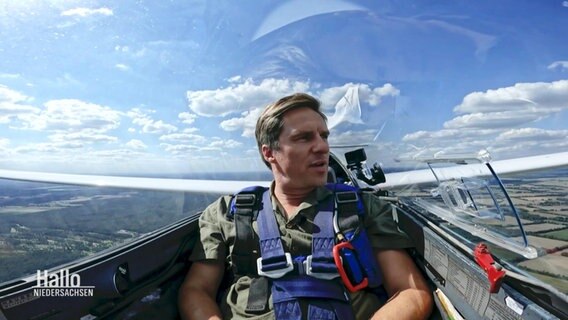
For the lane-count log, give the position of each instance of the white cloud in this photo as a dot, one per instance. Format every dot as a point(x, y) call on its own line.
point(526, 134)
point(178, 148)
point(136, 144)
point(192, 145)
point(449, 135)
point(210, 149)
point(13, 96)
point(115, 154)
point(247, 123)
point(10, 76)
point(121, 48)
point(136, 114)
point(225, 144)
point(565, 4)
point(190, 130)
point(537, 96)
point(494, 120)
point(559, 65)
point(367, 95)
point(506, 119)
point(184, 137)
point(49, 147)
point(142, 118)
point(235, 79)
point(122, 67)
point(84, 136)
point(187, 117)
point(14, 104)
point(70, 115)
point(68, 124)
point(511, 106)
point(520, 148)
point(84, 12)
point(158, 127)
point(241, 97)
point(246, 95)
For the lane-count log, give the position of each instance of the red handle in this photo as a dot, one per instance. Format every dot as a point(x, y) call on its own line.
point(341, 270)
point(495, 273)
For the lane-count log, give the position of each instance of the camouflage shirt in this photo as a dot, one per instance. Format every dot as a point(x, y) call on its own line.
point(217, 234)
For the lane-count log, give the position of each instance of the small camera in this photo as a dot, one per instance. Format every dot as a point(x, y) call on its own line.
point(355, 158)
point(356, 162)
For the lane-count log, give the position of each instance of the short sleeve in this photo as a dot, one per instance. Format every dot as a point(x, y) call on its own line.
point(211, 244)
point(382, 230)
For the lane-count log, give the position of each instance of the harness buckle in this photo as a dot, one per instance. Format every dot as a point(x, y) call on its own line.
point(346, 196)
point(278, 273)
point(319, 275)
point(245, 200)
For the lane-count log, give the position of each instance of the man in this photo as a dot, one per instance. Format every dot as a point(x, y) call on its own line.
point(292, 140)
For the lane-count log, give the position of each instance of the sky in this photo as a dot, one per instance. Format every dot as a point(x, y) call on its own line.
point(162, 87)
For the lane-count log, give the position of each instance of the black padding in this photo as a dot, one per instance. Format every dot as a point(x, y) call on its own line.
point(243, 260)
point(258, 295)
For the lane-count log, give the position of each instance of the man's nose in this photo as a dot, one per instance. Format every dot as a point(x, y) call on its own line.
point(322, 145)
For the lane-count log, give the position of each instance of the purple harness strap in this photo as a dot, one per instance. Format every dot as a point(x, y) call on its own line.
point(314, 292)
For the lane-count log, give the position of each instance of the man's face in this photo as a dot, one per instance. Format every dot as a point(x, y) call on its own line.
point(302, 159)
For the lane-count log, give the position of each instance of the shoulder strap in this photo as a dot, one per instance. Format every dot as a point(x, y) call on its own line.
point(349, 207)
point(272, 255)
point(244, 209)
point(349, 223)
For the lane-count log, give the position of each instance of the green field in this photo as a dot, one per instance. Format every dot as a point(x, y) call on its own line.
point(559, 234)
point(560, 284)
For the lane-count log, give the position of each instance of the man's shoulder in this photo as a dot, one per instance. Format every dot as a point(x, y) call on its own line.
point(367, 195)
point(218, 207)
point(373, 203)
point(223, 204)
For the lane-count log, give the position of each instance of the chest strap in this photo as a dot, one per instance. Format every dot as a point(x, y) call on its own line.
point(303, 287)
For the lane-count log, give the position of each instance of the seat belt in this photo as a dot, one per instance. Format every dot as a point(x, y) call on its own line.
point(255, 202)
point(312, 281)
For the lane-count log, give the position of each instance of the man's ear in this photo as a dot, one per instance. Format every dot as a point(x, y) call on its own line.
point(267, 153)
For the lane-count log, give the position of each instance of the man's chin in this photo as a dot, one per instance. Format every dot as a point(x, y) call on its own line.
point(314, 183)
point(321, 181)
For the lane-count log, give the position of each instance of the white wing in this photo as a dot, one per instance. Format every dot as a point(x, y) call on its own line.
point(231, 186)
point(187, 185)
point(502, 167)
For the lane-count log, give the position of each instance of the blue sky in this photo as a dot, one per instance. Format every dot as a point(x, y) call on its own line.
point(176, 86)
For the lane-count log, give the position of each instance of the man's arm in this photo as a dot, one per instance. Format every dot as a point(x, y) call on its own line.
point(196, 298)
point(410, 296)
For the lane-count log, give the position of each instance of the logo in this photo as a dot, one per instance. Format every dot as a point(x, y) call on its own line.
point(61, 284)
